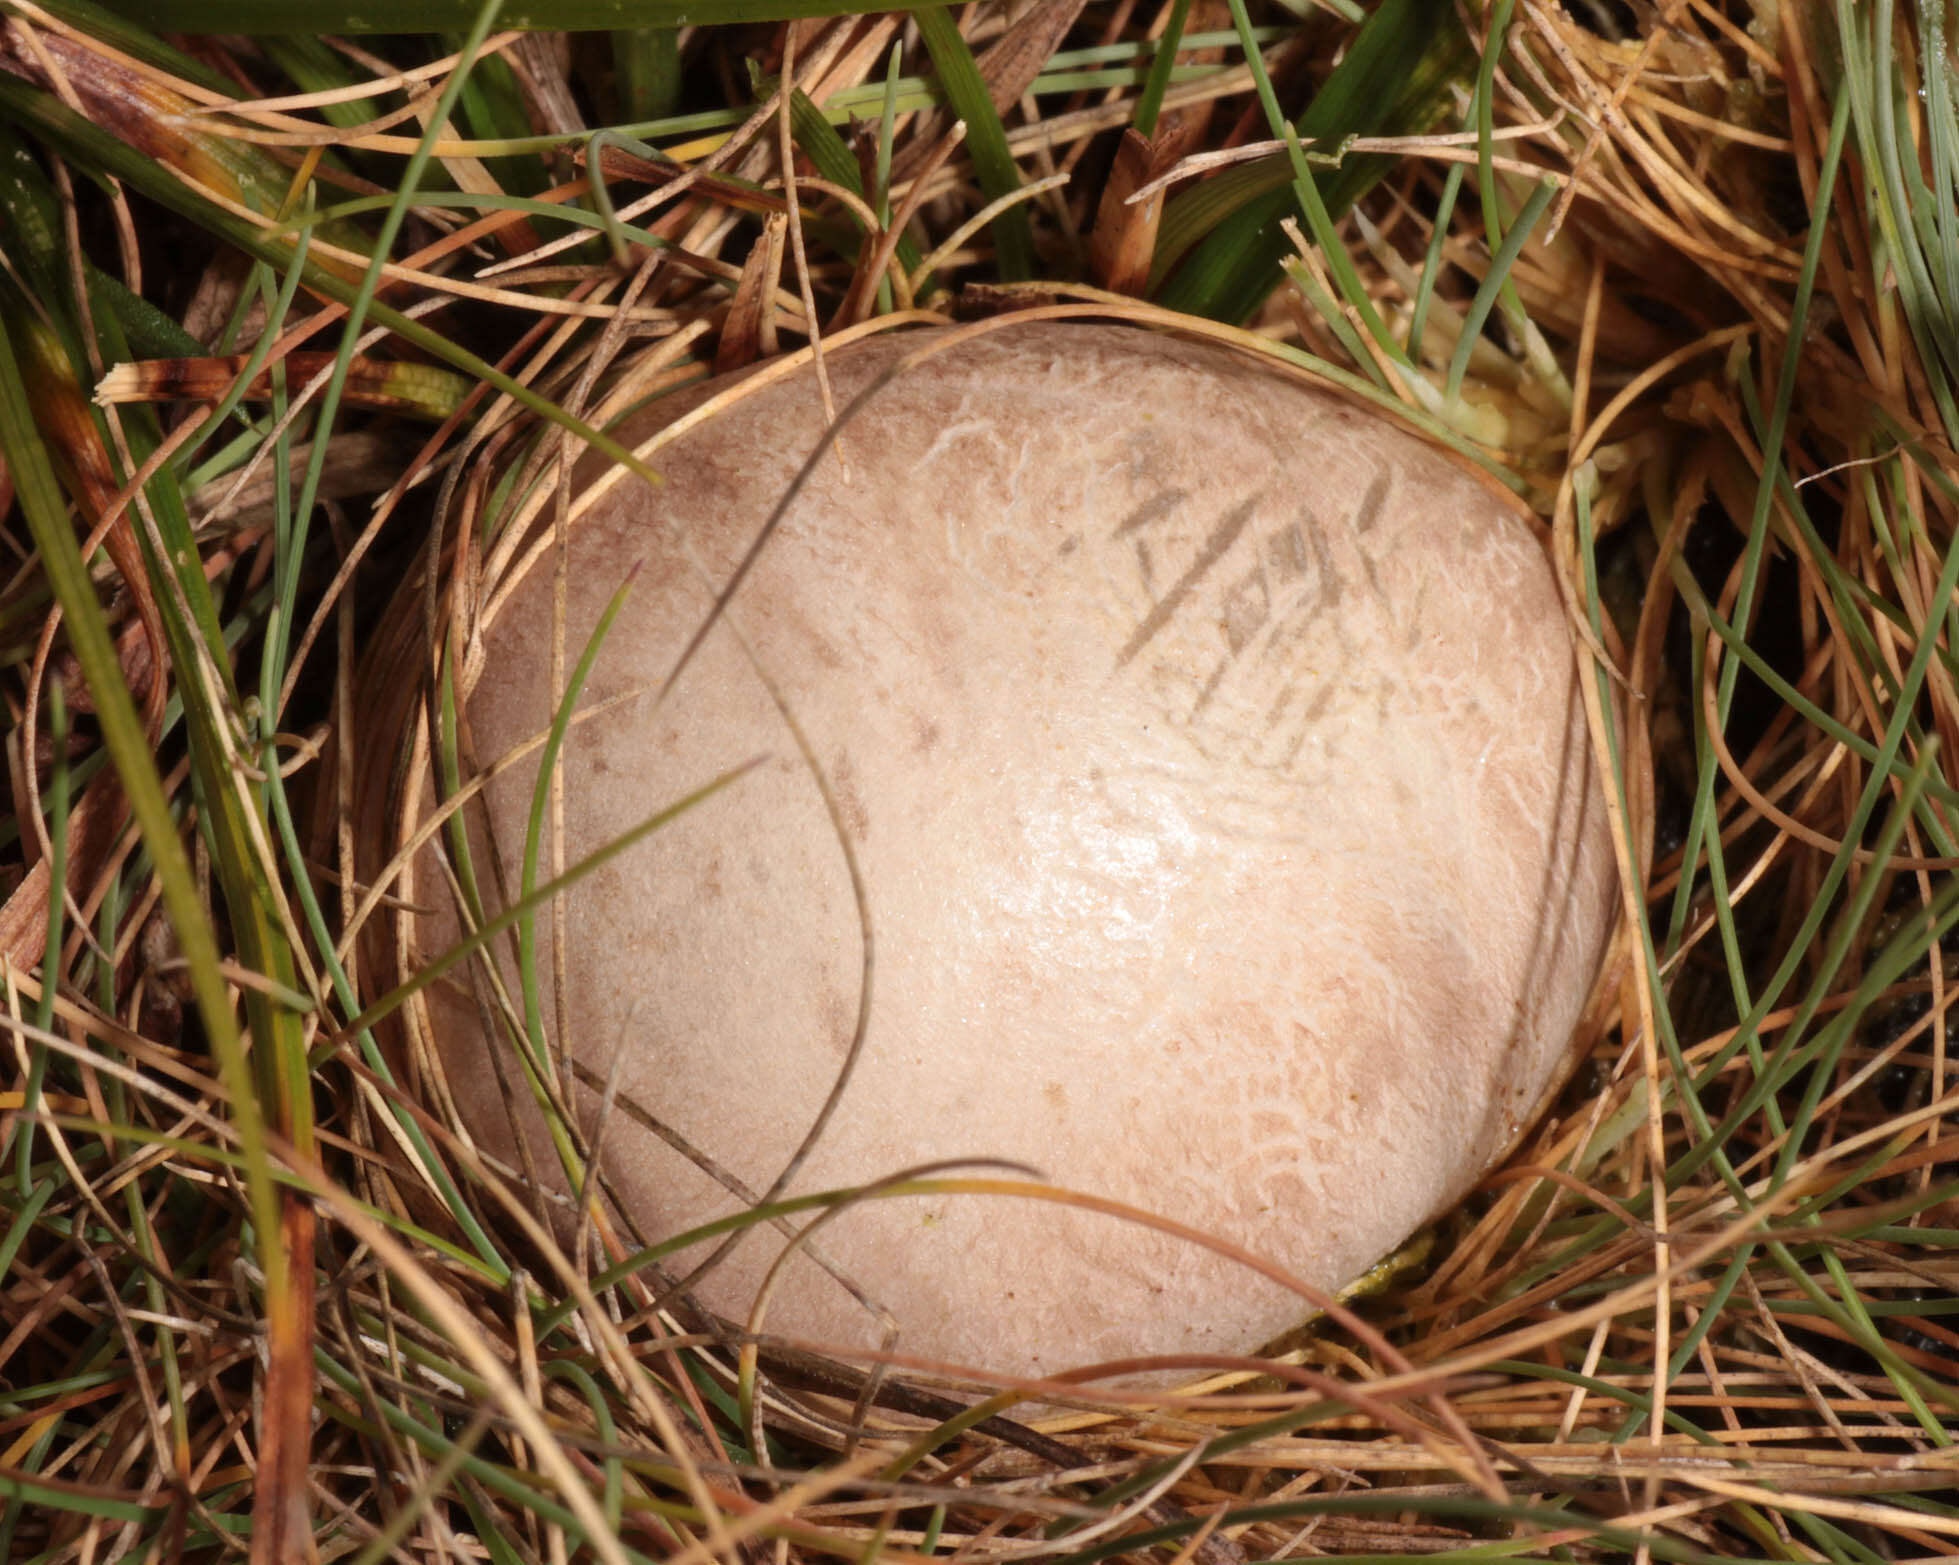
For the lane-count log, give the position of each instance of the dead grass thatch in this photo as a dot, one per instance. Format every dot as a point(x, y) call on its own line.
point(1685, 276)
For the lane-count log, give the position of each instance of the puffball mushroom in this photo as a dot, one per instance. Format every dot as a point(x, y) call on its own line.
point(1211, 756)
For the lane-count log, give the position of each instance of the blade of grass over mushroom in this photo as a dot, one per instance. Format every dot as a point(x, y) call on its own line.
point(449, 778)
point(1220, 248)
point(539, 897)
point(1021, 1187)
point(547, 770)
point(986, 139)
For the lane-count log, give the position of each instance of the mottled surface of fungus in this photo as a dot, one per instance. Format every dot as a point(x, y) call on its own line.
point(1212, 754)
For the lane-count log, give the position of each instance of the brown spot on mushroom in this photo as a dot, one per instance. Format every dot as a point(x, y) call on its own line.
point(839, 1024)
point(850, 799)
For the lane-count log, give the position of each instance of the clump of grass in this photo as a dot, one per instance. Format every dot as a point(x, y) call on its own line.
point(291, 317)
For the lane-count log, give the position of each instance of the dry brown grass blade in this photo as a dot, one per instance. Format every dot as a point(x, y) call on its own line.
point(373, 383)
point(1009, 66)
point(93, 826)
point(86, 470)
point(1124, 236)
point(749, 332)
point(282, 1510)
point(619, 163)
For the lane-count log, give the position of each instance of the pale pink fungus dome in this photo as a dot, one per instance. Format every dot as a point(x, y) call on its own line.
point(1213, 755)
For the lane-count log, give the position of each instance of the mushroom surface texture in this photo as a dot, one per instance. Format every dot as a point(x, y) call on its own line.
point(1210, 758)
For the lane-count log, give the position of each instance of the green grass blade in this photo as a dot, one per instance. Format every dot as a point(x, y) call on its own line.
point(646, 72)
point(40, 499)
point(986, 140)
point(1495, 281)
point(547, 769)
point(464, 949)
point(1396, 78)
point(818, 137)
point(138, 39)
point(1150, 103)
point(1757, 534)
